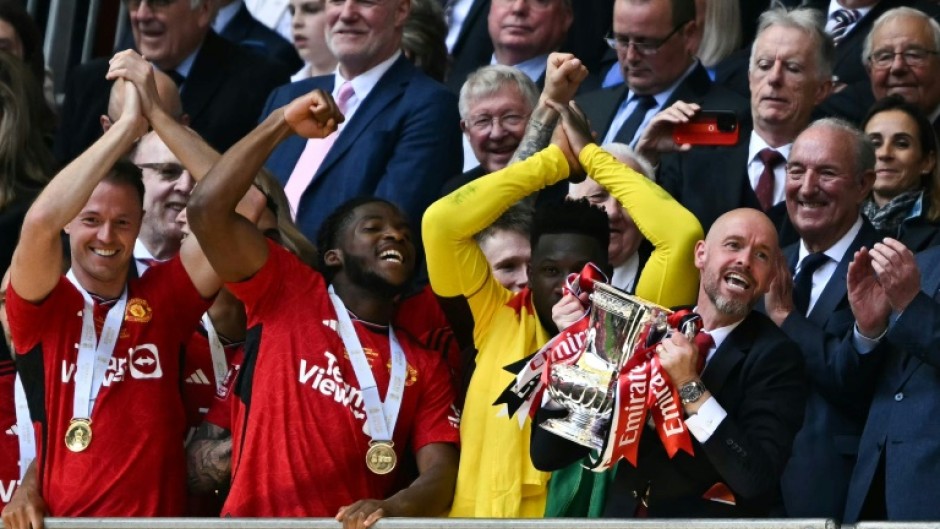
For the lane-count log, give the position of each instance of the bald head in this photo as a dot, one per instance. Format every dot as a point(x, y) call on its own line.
point(166, 89)
point(737, 261)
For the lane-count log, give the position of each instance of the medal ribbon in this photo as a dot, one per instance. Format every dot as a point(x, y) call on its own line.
point(94, 353)
point(216, 351)
point(524, 395)
point(381, 417)
point(24, 427)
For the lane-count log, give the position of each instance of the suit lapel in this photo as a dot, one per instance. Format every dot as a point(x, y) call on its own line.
point(930, 285)
point(204, 78)
point(730, 353)
point(390, 88)
point(693, 88)
point(479, 8)
point(601, 107)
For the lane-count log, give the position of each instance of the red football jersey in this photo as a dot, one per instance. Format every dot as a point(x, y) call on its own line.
point(135, 465)
point(199, 391)
point(301, 441)
point(9, 442)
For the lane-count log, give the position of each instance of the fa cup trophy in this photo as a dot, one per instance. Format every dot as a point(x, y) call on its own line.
point(587, 388)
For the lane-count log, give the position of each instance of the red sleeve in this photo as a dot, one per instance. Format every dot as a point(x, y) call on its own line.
point(436, 418)
point(29, 322)
point(189, 305)
point(261, 292)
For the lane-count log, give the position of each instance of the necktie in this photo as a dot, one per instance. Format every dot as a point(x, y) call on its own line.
point(765, 184)
point(630, 126)
point(313, 155)
point(803, 283)
point(844, 18)
point(704, 342)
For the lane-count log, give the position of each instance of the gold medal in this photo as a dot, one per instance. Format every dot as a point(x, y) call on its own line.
point(381, 458)
point(78, 435)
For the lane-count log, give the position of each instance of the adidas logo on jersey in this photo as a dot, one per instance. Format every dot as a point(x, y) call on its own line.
point(199, 378)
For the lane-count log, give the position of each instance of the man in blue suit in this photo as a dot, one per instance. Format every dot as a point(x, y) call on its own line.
point(401, 138)
point(895, 298)
point(830, 172)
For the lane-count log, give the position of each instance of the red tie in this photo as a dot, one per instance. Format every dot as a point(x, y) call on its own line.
point(704, 342)
point(765, 185)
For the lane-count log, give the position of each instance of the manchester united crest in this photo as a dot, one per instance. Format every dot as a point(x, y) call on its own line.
point(138, 310)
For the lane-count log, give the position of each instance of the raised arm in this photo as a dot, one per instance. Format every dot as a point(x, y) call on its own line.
point(37, 260)
point(669, 277)
point(193, 152)
point(233, 245)
point(563, 76)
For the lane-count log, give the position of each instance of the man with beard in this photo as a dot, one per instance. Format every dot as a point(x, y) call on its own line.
point(742, 410)
point(332, 395)
point(829, 175)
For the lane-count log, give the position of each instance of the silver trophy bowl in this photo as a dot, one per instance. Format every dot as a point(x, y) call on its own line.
point(587, 388)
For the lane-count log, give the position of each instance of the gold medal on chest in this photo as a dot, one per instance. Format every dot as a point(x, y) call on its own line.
point(78, 435)
point(381, 458)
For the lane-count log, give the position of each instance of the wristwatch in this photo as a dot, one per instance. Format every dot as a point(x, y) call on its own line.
point(691, 391)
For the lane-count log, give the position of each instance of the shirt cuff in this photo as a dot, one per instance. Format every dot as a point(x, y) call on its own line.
point(704, 423)
point(863, 344)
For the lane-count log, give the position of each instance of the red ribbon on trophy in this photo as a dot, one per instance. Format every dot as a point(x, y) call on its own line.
point(524, 396)
point(644, 388)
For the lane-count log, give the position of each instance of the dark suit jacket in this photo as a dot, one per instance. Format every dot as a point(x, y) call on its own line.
point(757, 377)
point(838, 400)
point(401, 144)
point(902, 427)
point(223, 95)
point(246, 31)
point(601, 106)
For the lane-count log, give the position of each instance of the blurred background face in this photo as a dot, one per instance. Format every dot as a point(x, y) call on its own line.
point(9, 40)
point(784, 78)
point(900, 161)
point(508, 253)
point(168, 185)
point(308, 26)
point(625, 237)
point(651, 23)
point(361, 35)
point(915, 80)
point(167, 34)
point(495, 125)
point(523, 29)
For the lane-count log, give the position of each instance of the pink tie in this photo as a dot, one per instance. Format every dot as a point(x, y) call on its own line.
point(313, 155)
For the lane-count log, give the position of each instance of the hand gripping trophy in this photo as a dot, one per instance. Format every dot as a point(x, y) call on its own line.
point(613, 383)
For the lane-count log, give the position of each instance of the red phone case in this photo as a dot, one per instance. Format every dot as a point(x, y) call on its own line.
point(703, 130)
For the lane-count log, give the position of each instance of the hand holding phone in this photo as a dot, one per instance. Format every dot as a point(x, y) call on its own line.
point(708, 127)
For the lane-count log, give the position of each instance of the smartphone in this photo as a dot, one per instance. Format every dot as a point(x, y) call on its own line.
point(708, 127)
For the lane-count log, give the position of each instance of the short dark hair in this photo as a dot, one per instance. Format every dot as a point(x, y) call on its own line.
point(126, 173)
point(327, 237)
point(574, 217)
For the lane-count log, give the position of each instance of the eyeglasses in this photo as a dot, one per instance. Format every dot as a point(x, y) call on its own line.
point(167, 171)
point(134, 5)
point(914, 57)
point(484, 122)
point(644, 46)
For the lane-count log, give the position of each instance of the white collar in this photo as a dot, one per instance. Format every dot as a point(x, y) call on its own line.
point(757, 144)
point(533, 68)
point(364, 83)
point(837, 251)
point(225, 15)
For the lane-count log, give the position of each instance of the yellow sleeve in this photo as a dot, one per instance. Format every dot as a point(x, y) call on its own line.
point(456, 266)
point(669, 277)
